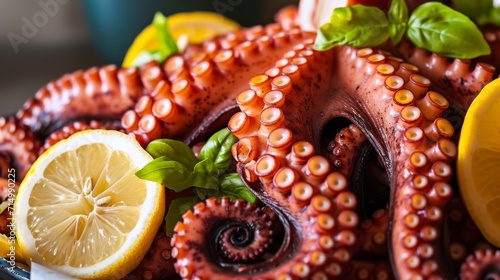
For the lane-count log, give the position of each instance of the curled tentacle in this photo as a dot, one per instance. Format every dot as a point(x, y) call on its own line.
point(483, 264)
point(243, 233)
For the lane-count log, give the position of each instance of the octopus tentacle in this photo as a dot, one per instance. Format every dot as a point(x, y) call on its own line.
point(70, 129)
point(158, 262)
point(244, 233)
point(463, 235)
point(312, 255)
point(373, 235)
point(18, 148)
point(201, 83)
point(460, 80)
point(483, 264)
point(97, 93)
point(351, 154)
point(345, 147)
point(491, 34)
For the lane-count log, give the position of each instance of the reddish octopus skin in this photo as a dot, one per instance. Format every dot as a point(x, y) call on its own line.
point(74, 127)
point(411, 122)
point(18, 149)
point(483, 264)
point(343, 149)
point(454, 77)
point(460, 80)
point(158, 262)
point(97, 93)
point(413, 139)
point(201, 66)
point(200, 85)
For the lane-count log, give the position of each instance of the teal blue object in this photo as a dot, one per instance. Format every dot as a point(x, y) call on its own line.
point(115, 23)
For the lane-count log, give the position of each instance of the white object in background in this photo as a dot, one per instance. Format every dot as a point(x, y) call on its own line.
point(314, 13)
point(40, 272)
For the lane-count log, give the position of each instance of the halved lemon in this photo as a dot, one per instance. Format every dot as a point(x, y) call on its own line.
point(478, 161)
point(82, 211)
point(196, 27)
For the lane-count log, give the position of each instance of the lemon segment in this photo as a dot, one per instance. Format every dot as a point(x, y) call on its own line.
point(478, 161)
point(195, 26)
point(200, 26)
point(82, 211)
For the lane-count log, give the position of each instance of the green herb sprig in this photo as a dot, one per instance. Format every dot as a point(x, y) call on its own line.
point(176, 167)
point(481, 11)
point(168, 46)
point(432, 26)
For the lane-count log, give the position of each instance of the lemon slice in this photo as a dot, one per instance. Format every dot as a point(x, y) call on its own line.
point(478, 161)
point(195, 26)
point(82, 211)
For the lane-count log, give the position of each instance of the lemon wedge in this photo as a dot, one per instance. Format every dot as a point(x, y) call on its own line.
point(478, 161)
point(195, 27)
point(82, 211)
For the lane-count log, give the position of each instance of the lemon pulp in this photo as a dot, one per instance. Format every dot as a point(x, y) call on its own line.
point(478, 161)
point(81, 209)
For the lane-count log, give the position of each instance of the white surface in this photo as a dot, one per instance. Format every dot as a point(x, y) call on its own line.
point(39, 272)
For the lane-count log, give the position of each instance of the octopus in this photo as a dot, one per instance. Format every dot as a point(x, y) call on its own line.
point(350, 151)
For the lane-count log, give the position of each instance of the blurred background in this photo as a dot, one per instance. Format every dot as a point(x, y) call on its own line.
point(41, 40)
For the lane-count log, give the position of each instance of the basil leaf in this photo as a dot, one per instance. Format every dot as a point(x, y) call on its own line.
point(146, 56)
point(358, 26)
point(168, 46)
point(473, 9)
point(493, 17)
point(440, 29)
point(171, 174)
point(177, 208)
point(205, 193)
point(218, 149)
point(205, 175)
point(234, 188)
point(173, 150)
point(398, 18)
